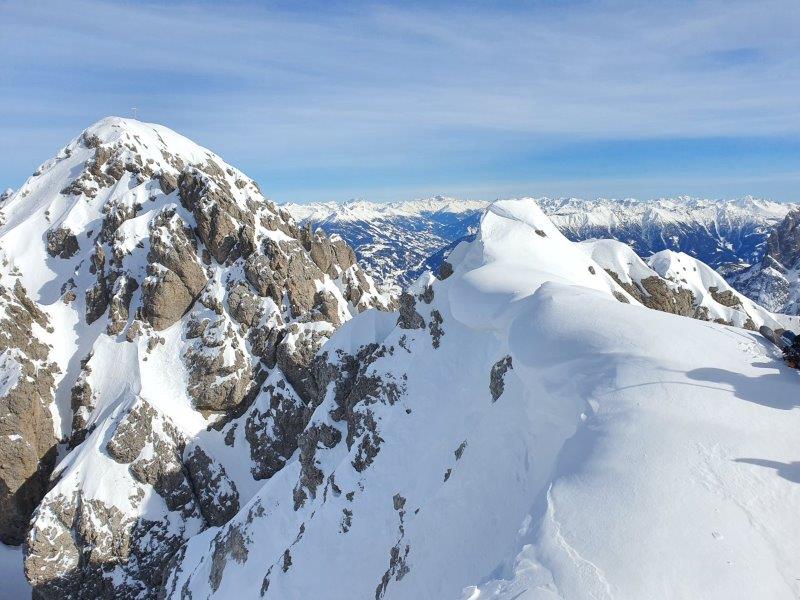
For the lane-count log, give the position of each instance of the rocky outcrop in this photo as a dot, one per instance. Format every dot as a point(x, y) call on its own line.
point(675, 283)
point(215, 491)
point(409, 317)
point(62, 243)
point(222, 225)
point(497, 377)
point(273, 428)
point(175, 277)
point(83, 546)
point(27, 434)
point(215, 358)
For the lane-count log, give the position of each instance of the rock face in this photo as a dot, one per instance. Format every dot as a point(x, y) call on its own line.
point(783, 243)
point(185, 310)
point(774, 281)
point(27, 433)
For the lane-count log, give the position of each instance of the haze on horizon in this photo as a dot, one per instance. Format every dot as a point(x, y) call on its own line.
point(330, 101)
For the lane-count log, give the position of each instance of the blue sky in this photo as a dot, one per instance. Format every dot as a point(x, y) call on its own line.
point(389, 101)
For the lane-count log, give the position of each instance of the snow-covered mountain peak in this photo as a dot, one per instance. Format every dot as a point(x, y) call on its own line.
point(147, 291)
point(517, 430)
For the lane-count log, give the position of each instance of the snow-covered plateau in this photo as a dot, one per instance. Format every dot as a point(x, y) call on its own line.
point(204, 399)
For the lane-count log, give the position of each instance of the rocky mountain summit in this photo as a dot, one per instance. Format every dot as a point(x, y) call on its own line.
point(160, 320)
point(775, 281)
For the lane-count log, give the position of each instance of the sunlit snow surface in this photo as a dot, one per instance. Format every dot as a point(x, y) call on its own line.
point(632, 454)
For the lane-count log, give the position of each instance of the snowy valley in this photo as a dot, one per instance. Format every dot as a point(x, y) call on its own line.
point(207, 396)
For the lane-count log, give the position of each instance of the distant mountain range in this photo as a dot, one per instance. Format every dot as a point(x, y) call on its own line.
point(202, 399)
point(397, 241)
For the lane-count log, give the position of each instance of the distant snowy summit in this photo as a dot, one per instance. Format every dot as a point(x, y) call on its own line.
point(361, 210)
point(397, 241)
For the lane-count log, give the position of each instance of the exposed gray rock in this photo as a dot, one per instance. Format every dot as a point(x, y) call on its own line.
point(726, 297)
point(96, 300)
point(176, 278)
point(273, 432)
point(295, 355)
point(311, 476)
point(62, 243)
point(165, 472)
point(356, 388)
point(435, 326)
point(445, 270)
point(243, 304)
point(82, 403)
point(497, 376)
point(215, 491)
point(221, 224)
point(219, 372)
point(409, 317)
point(132, 433)
point(120, 303)
point(229, 543)
point(27, 439)
point(655, 293)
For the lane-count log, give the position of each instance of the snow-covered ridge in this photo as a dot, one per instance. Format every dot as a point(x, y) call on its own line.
point(518, 430)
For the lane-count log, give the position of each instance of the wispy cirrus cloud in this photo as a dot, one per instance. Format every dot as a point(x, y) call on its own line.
point(404, 96)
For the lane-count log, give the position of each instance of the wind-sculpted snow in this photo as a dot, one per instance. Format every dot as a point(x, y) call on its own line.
point(398, 241)
point(550, 437)
point(149, 290)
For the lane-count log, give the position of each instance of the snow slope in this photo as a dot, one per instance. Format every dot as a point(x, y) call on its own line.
point(520, 433)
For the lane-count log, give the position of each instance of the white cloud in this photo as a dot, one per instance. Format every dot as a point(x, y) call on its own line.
point(371, 84)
